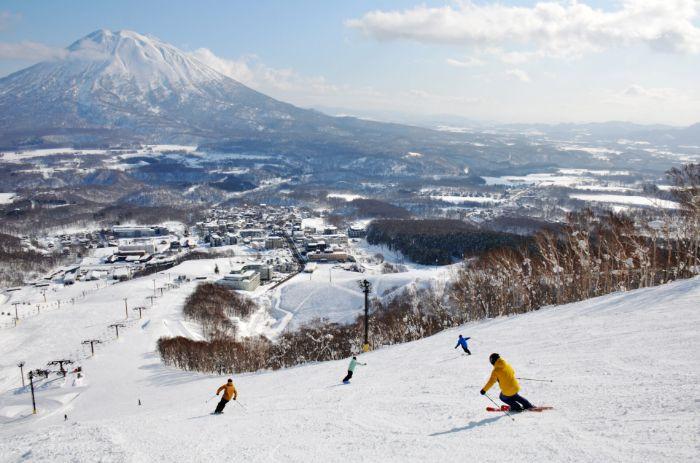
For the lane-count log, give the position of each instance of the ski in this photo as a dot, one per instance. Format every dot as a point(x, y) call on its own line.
point(505, 408)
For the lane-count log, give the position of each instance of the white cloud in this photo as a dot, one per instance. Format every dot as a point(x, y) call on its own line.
point(467, 62)
point(239, 70)
point(30, 51)
point(251, 71)
point(519, 74)
point(547, 28)
point(636, 91)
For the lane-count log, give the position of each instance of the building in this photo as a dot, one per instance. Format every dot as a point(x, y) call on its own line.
point(327, 256)
point(230, 238)
point(137, 246)
point(245, 281)
point(274, 242)
point(138, 231)
point(356, 232)
point(215, 240)
point(264, 270)
point(251, 233)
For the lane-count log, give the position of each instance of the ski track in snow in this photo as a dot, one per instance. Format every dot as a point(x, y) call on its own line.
point(625, 388)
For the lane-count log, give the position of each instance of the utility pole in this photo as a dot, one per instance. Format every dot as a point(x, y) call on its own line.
point(31, 385)
point(116, 326)
point(140, 309)
point(366, 288)
point(16, 315)
point(92, 343)
point(21, 371)
point(60, 365)
point(126, 309)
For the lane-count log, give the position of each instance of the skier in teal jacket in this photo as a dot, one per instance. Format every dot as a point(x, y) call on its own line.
point(351, 369)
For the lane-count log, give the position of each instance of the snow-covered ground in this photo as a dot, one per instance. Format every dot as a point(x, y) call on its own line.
point(332, 292)
point(466, 199)
point(625, 387)
point(346, 196)
point(7, 198)
point(628, 200)
point(146, 149)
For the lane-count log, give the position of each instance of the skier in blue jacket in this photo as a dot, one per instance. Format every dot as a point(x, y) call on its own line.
point(463, 342)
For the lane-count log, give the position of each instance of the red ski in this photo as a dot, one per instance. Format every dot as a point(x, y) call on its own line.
point(506, 408)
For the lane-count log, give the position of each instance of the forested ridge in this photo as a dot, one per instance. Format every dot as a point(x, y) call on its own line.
point(438, 241)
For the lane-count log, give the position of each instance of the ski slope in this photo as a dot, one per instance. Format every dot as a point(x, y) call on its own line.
point(625, 388)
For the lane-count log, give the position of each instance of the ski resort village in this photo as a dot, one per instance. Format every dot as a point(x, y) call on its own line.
point(344, 232)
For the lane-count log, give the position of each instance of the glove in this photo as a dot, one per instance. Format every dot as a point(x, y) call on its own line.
point(234, 398)
point(482, 392)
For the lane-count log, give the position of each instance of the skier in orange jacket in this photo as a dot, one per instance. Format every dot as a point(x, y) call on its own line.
point(229, 393)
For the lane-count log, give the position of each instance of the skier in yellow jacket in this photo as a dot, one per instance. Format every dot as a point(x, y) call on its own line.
point(229, 393)
point(505, 375)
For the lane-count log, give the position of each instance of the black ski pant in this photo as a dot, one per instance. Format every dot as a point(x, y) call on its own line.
point(348, 376)
point(466, 349)
point(220, 406)
point(516, 402)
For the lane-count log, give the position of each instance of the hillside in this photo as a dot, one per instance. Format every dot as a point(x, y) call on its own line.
point(624, 382)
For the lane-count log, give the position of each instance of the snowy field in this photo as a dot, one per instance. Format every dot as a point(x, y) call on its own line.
point(625, 387)
point(628, 200)
point(466, 199)
point(7, 198)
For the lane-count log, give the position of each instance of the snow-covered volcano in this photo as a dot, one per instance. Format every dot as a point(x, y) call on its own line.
point(110, 84)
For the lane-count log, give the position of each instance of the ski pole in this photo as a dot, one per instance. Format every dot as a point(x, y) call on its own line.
point(209, 399)
point(533, 379)
point(244, 407)
point(499, 407)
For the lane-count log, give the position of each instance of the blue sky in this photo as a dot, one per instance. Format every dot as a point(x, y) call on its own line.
point(507, 61)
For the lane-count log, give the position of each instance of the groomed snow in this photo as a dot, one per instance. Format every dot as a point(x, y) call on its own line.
point(625, 387)
point(332, 293)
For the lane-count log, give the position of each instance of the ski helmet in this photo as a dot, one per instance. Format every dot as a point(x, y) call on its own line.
point(493, 358)
point(230, 380)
